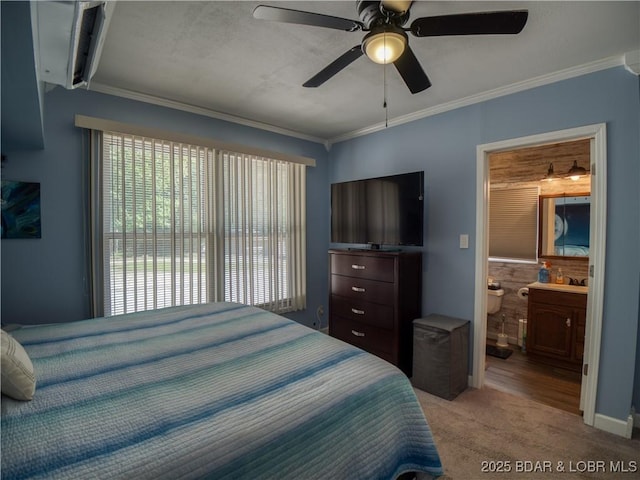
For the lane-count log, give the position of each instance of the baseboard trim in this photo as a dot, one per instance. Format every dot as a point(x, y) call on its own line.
point(614, 425)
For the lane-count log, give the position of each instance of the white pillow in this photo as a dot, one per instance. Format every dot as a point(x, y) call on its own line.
point(18, 380)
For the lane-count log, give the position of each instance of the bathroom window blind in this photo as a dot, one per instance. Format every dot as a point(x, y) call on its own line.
point(513, 223)
point(182, 224)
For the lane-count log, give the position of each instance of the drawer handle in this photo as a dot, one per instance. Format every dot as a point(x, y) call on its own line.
point(355, 266)
point(358, 289)
point(568, 322)
point(357, 312)
point(357, 333)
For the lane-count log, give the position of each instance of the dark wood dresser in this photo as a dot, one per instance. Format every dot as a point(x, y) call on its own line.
point(374, 298)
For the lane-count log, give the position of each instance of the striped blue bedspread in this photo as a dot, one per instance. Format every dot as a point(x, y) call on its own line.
point(210, 391)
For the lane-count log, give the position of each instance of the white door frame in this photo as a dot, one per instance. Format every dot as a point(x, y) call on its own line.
point(597, 239)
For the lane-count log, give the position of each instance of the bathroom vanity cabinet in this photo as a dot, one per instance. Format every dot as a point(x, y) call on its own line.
point(556, 326)
point(374, 298)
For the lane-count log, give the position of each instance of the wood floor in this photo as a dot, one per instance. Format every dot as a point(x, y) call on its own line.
point(523, 377)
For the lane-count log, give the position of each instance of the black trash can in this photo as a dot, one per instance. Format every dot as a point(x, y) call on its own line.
point(440, 355)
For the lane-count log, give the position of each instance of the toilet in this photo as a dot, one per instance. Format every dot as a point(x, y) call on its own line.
point(494, 300)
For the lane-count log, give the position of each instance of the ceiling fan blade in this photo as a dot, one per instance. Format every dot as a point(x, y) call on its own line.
point(334, 67)
point(286, 15)
point(411, 71)
point(483, 23)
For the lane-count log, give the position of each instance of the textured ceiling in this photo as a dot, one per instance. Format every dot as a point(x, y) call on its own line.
point(215, 56)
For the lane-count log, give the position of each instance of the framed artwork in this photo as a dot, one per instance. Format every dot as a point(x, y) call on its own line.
point(20, 209)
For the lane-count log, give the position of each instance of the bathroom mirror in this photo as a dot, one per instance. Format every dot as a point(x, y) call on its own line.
point(563, 225)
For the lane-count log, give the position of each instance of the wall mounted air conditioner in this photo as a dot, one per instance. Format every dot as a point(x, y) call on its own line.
point(70, 39)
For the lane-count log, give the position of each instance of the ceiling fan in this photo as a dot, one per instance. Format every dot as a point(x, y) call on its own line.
point(387, 41)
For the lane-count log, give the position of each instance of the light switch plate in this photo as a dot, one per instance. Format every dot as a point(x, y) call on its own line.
point(464, 240)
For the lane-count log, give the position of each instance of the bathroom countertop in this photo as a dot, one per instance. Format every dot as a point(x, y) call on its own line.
point(560, 287)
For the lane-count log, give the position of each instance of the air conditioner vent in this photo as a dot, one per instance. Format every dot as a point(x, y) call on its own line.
point(87, 29)
point(70, 39)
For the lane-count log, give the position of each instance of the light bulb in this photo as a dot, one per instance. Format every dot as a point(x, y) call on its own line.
point(384, 47)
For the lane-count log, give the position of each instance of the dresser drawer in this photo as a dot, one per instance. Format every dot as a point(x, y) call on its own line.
point(367, 337)
point(363, 289)
point(362, 266)
point(362, 312)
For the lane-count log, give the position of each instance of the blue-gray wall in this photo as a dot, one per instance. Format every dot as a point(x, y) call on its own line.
point(44, 280)
point(445, 147)
point(21, 91)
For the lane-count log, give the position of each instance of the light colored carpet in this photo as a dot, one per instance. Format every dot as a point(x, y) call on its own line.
point(482, 428)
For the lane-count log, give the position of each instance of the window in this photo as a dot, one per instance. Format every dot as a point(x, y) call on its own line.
point(182, 224)
point(264, 232)
point(513, 224)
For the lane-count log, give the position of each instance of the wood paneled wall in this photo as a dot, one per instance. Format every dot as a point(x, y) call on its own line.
point(528, 166)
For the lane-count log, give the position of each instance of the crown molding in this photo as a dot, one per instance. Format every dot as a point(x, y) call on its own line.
point(565, 74)
point(632, 62)
point(185, 107)
point(560, 75)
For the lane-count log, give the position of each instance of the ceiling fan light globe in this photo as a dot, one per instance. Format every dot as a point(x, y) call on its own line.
point(384, 47)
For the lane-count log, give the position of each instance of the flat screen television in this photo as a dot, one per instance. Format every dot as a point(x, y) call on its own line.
point(379, 211)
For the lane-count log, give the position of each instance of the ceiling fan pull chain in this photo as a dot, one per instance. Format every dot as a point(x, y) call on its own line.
point(384, 87)
point(386, 115)
point(384, 102)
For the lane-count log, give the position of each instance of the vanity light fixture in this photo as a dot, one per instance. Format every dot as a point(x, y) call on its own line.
point(575, 172)
point(550, 176)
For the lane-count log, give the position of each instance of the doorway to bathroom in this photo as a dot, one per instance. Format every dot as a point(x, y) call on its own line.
point(522, 183)
point(594, 136)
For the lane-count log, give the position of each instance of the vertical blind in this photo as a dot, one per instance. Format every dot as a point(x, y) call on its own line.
point(262, 235)
point(184, 224)
point(513, 223)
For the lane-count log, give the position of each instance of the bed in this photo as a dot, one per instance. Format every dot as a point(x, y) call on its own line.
point(219, 391)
